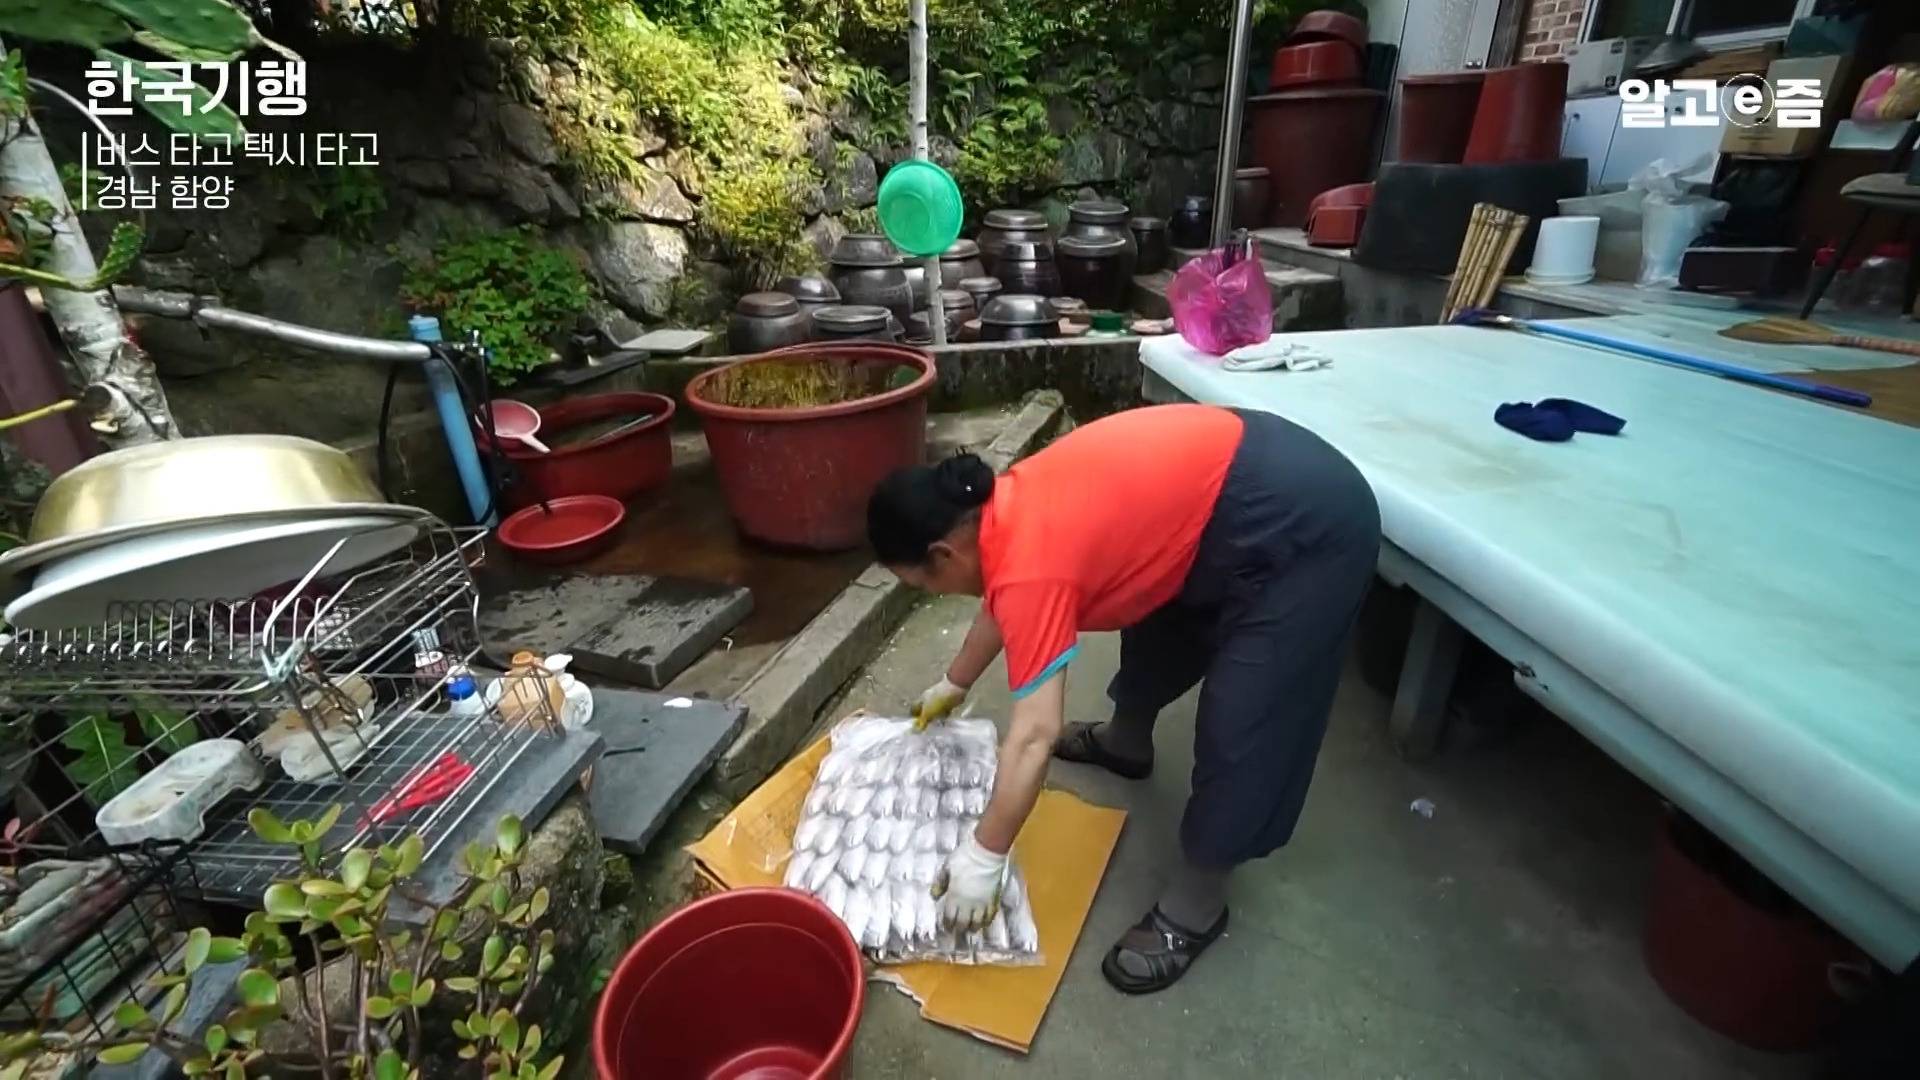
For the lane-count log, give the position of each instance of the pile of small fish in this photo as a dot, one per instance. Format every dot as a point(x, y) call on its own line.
point(887, 805)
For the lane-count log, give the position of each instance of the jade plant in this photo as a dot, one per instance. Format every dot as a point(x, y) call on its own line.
point(470, 970)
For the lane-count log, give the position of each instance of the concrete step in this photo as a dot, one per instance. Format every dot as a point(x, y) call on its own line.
point(1302, 299)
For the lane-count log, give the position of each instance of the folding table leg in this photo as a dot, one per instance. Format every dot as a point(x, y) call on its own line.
point(1826, 275)
point(1426, 677)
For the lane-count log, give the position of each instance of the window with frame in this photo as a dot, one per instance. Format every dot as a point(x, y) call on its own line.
point(1708, 21)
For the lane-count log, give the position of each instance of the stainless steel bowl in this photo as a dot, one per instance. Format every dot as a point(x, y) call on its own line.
point(1018, 309)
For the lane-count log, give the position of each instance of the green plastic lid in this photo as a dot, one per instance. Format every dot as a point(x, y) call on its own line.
point(1108, 322)
point(920, 208)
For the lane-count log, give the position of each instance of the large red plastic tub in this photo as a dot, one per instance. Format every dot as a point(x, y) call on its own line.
point(1736, 952)
point(621, 464)
point(1310, 141)
point(754, 984)
point(1520, 114)
point(1436, 115)
point(801, 476)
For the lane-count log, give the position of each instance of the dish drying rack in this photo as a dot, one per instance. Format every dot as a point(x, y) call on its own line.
point(363, 657)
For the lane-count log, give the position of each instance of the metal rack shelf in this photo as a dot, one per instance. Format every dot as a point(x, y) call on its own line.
point(363, 658)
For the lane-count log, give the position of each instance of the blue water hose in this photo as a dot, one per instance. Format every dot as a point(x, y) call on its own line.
point(425, 329)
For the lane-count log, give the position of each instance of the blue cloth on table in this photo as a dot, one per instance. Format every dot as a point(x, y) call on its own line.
point(1556, 419)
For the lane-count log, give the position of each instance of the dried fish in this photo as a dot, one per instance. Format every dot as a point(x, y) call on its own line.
point(879, 834)
point(820, 873)
point(842, 798)
point(829, 837)
point(1022, 932)
point(797, 868)
point(953, 803)
point(926, 917)
point(976, 774)
point(856, 832)
point(835, 765)
point(879, 919)
point(952, 772)
point(976, 801)
point(926, 836)
point(817, 800)
point(808, 832)
point(886, 801)
point(929, 803)
point(905, 897)
point(873, 770)
point(862, 798)
point(858, 910)
point(873, 874)
point(834, 895)
point(852, 861)
point(949, 834)
point(900, 838)
point(926, 867)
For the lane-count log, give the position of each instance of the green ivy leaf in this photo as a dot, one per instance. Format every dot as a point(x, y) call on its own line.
point(258, 989)
point(203, 24)
point(537, 904)
point(124, 1054)
point(175, 1002)
point(354, 868)
point(268, 827)
point(490, 954)
point(216, 1039)
point(552, 1068)
point(451, 952)
point(401, 983)
point(389, 1066)
point(174, 50)
point(379, 1007)
point(506, 1030)
point(225, 950)
point(285, 902)
point(463, 984)
point(411, 852)
point(510, 833)
point(130, 1015)
point(423, 993)
point(532, 1042)
point(499, 898)
point(106, 765)
point(324, 887)
point(236, 1071)
point(324, 824)
point(199, 946)
point(445, 923)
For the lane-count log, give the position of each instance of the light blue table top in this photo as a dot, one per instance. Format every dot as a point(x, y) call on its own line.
point(1739, 567)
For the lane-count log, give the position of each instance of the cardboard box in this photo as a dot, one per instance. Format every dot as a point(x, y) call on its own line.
point(1063, 852)
point(1769, 139)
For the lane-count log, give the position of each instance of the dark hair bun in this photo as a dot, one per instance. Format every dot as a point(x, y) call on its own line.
point(964, 480)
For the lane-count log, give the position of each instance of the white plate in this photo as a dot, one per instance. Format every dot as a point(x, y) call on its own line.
point(205, 562)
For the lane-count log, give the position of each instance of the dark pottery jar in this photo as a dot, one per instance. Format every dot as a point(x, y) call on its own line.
point(1150, 236)
point(1250, 191)
point(958, 304)
point(763, 321)
point(1002, 227)
point(811, 290)
point(916, 271)
point(960, 262)
point(982, 289)
point(1094, 268)
point(1018, 317)
point(919, 329)
point(852, 322)
point(868, 270)
point(1028, 267)
point(1094, 219)
point(1192, 224)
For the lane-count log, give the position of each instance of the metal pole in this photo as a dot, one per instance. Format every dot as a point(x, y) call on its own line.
point(917, 118)
point(1231, 112)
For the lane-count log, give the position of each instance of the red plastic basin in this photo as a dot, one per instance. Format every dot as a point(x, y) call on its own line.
point(1436, 115)
point(1336, 124)
point(1330, 26)
point(621, 464)
point(801, 476)
point(1519, 115)
point(566, 530)
point(1315, 63)
point(754, 984)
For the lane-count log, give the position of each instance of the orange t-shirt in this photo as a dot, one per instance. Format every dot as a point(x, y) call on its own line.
point(1099, 529)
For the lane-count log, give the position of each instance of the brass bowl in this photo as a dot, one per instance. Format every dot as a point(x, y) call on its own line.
point(211, 479)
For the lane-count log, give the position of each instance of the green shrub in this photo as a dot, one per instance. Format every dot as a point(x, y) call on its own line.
point(518, 293)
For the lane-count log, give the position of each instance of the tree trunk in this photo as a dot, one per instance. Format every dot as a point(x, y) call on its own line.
point(917, 122)
point(127, 404)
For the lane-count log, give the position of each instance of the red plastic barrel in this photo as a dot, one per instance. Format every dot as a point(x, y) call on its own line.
point(1736, 952)
point(754, 984)
point(801, 476)
point(1520, 115)
point(1436, 115)
point(621, 464)
point(1310, 141)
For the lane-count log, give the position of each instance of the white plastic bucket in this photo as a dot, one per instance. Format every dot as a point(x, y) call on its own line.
point(1564, 253)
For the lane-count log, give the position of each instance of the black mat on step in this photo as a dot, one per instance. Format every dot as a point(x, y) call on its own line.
point(627, 628)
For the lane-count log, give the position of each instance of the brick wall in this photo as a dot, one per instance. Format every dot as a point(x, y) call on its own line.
point(1552, 26)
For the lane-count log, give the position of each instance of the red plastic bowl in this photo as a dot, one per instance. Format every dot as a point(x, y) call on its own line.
point(566, 530)
point(1315, 63)
point(756, 983)
point(1334, 217)
point(1330, 26)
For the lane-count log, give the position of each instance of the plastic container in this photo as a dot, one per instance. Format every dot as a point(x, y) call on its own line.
point(1563, 254)
point(463, 696)
point(1880, 285)
point(171, 802)
point(800, 476)
point(1338, 127)
point(1520, 114)
point(760, 983)
point(920, 208)
point(1330, 26)
point(1436, 115)
point(1735, 952)
point(1315, 63)
point(566, 530)
point(1616, 253)
point(634, 457)
point(1335, 218)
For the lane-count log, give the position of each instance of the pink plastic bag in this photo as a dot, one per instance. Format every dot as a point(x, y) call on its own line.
point(1219, 308)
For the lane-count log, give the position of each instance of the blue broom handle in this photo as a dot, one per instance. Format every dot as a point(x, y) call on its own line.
point(1822, 391)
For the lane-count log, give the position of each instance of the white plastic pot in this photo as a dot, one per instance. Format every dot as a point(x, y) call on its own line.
point(171, 802)
point(1564, 253)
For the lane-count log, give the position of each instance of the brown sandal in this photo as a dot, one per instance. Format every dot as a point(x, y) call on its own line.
point(1165, 949)
point(1081, 745)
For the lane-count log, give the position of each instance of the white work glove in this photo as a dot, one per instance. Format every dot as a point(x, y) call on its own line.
point(968, 887)
point(936, 702)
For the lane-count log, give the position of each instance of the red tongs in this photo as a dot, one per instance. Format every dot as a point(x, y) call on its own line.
point(424, 785)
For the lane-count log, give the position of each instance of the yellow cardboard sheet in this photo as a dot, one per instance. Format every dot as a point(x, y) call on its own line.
point(1063, 853)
